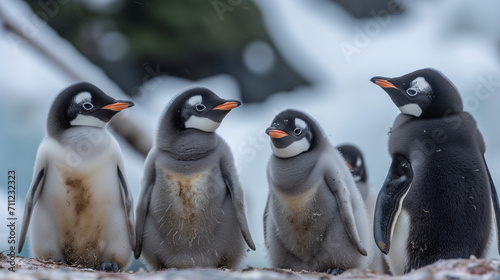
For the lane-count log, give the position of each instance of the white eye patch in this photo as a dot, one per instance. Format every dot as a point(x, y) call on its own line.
point(194, 100)
point(358, 162)
point(300, 123)
point(82, 96)
point(420, 85)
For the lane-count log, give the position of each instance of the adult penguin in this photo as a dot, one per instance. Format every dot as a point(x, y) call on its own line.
point(438, 200)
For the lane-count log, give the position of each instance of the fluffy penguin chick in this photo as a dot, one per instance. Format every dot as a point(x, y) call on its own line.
point(81, 204)
point(315, 218)
point(356, 164)
point(438, 200)
point(191, 210)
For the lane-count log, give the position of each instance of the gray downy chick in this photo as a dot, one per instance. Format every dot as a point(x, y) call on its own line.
point(191, 210)
point(315, 218)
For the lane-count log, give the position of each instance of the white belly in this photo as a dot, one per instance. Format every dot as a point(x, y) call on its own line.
point(79, 209)
point(492, 249)
point(397, 257)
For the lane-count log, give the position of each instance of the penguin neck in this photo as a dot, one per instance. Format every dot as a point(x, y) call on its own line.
point(188, 144)
point(411, 136)
point(57, 123)
point(291, 175)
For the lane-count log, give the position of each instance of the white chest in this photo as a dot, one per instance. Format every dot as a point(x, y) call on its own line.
point(397, 257)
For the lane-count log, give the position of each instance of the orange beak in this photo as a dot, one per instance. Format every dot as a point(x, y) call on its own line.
point(350, 167)
point(118, 106)
point(384, 84)
point(274, 133)
point(227, 106)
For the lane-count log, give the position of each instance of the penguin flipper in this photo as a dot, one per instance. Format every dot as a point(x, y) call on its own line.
point(390, 201)
point(496, 206)
point(237, 198)
point(31, 199)
point(343, 196)
point(128, 203)
point(143, 204)
point(266, 212)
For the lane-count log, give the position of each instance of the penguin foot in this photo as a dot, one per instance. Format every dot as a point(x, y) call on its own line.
point(334, 271)
point(108, 267)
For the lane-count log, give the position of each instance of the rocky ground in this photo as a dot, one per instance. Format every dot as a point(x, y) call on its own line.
point(29, 268)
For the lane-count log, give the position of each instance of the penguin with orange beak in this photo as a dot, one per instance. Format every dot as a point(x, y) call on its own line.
point(315, 218)
point(191, 208)
point(438, 200)
point(79, 202)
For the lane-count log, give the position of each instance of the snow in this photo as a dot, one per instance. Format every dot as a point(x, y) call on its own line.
point(339, 54)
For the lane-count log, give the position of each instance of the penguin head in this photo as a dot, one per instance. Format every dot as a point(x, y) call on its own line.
point(292, 133)
point(199, 108)
point(82, 104)
point(422, 93)
point(355, 162)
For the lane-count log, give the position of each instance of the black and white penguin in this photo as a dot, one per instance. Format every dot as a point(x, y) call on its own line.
point(81, 204)
point(438, 200)
point(315, 218)
point(356, 164)
point(191, 210)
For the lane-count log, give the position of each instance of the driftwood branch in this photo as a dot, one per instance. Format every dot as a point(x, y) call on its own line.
point(17, 18)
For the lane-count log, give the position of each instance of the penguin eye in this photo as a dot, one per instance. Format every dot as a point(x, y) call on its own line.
point(411, 92)
point(87, 106)
point(200, 107)
point(297, 131)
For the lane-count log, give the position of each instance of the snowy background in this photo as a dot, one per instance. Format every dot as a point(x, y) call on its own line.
point(321, 41)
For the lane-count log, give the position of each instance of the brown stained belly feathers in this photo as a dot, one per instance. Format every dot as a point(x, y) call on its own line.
point(301, 219)
point(188, 193)
point(81, 229)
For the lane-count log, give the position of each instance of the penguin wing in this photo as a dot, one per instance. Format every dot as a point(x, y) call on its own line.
point(237, 198)
point(266, 212)
point(390, 201)
point(128, 203)
point(32, 197)
point(343, 195)
point(494, 199)
point(142, 207)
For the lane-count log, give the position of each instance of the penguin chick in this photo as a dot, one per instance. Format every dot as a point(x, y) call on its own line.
point(438, 200)
point(356, 164)
point(191, 210)
point(81, 204)
point(315, 218)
